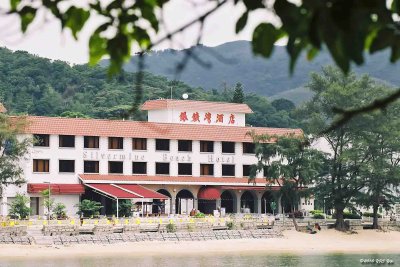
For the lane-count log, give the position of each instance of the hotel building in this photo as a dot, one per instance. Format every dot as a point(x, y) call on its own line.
point(189, 154)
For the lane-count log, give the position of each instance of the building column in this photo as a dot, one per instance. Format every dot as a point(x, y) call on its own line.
point(173, 200)
point(279, 205)
point(218, 203)
point(238, 195)
point(259, 203)
point(196, 203)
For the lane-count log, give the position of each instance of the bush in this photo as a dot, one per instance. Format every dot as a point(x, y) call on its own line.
point(318, 216)
point(200, 215)
point(348, 215)
point(370, 214)
point(316, 212)
point(59, 210)
point(230, 225)
point(19, 208)
point(171, 228)
point(88, 208)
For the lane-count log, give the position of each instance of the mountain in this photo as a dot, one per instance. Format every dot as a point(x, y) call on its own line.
point(234, 62)
point(38, 86)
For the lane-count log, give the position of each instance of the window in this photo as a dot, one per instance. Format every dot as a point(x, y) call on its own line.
point(162, 168)
point(66, 165)
point(184, 145)
point(206, 146)
point(34, 205)
point(139, 144)
point(115, 167)
point(184, 168)
point(162, 144)
point(228, 170)
point(207, 169)
point(246, 170)
point(66, 141)
point(115, 143)
point(91, 142)
point(41, 140)
point(41, 165)
point(90, 166)
point(249, 148)
point(139, 167)
point(228, 147)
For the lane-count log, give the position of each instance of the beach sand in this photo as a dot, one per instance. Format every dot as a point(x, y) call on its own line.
point(326, 241)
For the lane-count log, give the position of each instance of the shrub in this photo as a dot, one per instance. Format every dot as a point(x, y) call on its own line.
point(318, 216)
point(171, 228)
point(370, 214)
point(59, 210)
point(88, 208)
point(200, 215)
point(230, 225)
point(348, 215)
point(316, 212)
point(19, 208)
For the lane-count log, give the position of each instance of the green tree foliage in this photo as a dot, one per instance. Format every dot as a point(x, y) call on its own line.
point(238, 95)
point(19, 207)
point(82, 91)
point(59, 210)
point(349, 157)
point(124, 208)
point(283, 104)
point(12, 150)
point(88, 208)
point(48, 202)
point(290, 163)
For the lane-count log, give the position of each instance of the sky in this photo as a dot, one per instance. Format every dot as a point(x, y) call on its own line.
point(45, 38)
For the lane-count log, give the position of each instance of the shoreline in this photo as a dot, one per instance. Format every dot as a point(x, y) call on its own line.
point(292, 243)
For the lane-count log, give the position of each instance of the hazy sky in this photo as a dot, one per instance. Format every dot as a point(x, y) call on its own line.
point(45, 38)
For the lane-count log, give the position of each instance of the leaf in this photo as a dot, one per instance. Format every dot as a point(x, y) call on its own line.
point(311, 53)
point(382, 40)
point(97, 48)
point(396, 6)
point(264, 37)
point(253, 4)
point(119, 51)
point(14, 4)
point(27, 15)
point(75, 18)
point(241, 23)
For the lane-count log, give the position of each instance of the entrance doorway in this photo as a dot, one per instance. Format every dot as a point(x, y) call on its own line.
point(228, 201)
point(184, 202)
point(247, 202)
point(161, 206)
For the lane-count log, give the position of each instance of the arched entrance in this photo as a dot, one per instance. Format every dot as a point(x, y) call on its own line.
point(161, 206)
point(266, 200)
point(207, 199)
point(184, 202)
point(228, 201)
point(247, 201)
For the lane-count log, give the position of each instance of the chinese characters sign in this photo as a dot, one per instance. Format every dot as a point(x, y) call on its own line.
point(207, 118)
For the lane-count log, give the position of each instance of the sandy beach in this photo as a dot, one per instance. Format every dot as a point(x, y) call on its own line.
point(326, 241)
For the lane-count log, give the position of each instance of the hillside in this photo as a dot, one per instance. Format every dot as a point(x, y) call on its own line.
point(234, 62)
point(39, 86)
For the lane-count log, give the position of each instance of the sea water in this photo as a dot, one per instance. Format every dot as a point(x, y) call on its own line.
point(223, 260)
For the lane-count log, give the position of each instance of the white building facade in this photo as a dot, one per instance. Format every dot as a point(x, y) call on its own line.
point(188, 155)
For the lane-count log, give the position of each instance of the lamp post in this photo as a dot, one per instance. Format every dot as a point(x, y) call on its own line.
point(48, 208)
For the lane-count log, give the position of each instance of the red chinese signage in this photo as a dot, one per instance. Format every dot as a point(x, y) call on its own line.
point(208, 117)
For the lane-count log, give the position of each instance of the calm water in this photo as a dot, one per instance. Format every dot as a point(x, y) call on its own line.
point(331, 260)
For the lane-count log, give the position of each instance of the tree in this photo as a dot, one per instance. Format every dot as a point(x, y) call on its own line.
point(290, 163)
point(348, 155)
point(12, 150)
point(59, 210)
point(238, 95)
point(19, 208)
point(88, 208)
point(345, 28)
point(283, 104)
point(48, 202)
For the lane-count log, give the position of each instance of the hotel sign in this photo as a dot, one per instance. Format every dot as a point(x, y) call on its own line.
point(95, 155)
point(206, 117)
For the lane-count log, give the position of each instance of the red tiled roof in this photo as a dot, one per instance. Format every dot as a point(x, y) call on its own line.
point(142, 129)
point(57, 189)
point(142, 191)
point(196, 105)
point(143, 179)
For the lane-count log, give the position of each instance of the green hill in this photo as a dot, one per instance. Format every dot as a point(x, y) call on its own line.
point(39, 86)
point(234, 62)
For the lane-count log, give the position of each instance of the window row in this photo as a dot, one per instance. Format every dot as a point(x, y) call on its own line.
point(43, 140)
point(117, 167)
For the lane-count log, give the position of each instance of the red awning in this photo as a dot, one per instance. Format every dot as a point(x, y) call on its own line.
point(142, 191)
point(57, 189)
point(113, 191)
point(209, 193)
